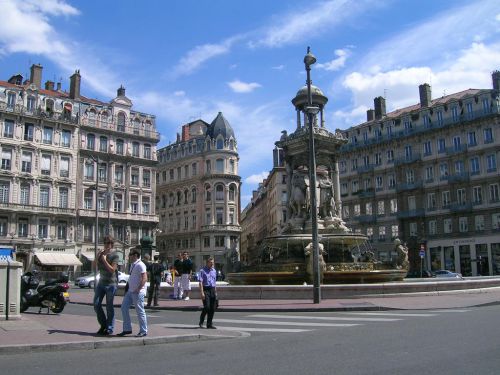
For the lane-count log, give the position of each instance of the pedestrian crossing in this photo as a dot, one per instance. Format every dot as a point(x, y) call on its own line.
point(297, 323)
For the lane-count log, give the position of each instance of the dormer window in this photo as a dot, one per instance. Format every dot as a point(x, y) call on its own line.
point(220, 144)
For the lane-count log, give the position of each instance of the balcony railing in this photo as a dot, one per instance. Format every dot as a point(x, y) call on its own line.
point(90, 213)
point(113, 125)
point(408, 159)
point(459, 177)
point(221, 227)
point(461, 207)
point(365, 168)
point(410, 214)
point(455, 150)
point(366, 219)
point(35, 208)
point(409, 186)
point(368, 193)
point(49, 115)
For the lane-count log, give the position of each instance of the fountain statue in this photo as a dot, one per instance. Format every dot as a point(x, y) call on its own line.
point(287, 258)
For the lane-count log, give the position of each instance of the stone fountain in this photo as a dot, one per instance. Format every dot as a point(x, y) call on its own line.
point(344, 257)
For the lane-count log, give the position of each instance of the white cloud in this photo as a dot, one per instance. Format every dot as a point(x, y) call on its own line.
point(200, 54)
point(243, 87)
point(278, 67)
point(256, 179)
point(336, 64)
point(306, 23)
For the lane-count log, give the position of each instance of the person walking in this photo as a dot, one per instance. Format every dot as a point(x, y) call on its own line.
point(177, 277)
point(187, 269)
point(135, 295)
point(208, 292)
point(107, 263)
point(155, 273)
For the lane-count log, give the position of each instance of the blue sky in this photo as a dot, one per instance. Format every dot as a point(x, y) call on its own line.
point(183, 60)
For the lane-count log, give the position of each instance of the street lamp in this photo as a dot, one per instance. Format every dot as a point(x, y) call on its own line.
point(311, 111)
point(96, 238)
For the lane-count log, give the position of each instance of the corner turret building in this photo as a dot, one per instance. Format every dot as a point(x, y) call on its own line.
point(198, 194)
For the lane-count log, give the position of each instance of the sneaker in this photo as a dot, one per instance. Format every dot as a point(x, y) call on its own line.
point(186, 299)
point(124, 333)
point(141, 334)
point(101, 331)
point(211, 327)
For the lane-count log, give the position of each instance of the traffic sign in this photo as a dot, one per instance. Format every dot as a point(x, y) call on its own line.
point(422, 253)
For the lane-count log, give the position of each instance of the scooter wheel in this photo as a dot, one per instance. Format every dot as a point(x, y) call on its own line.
point(24, 304)
point(59, 305)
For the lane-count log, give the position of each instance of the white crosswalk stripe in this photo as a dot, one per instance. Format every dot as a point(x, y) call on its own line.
point(246, 329)
point(390, 314)
point(278, 323)
point(324, 318)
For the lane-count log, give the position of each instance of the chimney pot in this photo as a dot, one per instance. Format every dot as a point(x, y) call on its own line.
point(49, 85)
point(36, 75)
point(495, 76)
point(370, 115)
point(74, 85)
point(425, 95)
point(121, 91)
point(379, 103)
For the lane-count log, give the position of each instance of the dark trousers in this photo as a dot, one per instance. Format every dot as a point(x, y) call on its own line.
point(153, 292)
point(208, 306)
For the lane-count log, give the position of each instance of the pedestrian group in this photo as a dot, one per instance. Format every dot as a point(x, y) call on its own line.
point(135, 289)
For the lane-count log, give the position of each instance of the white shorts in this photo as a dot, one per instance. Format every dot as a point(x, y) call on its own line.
point(185, 282)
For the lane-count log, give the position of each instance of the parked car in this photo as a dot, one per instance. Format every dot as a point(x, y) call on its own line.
point(418, 274)
point(88, 281)
point(448, 274)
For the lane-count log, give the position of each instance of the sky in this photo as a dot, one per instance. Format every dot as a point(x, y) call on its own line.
point(183, 60)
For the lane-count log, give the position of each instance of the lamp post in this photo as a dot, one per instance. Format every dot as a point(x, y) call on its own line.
point(96, 237)
point(311, 111)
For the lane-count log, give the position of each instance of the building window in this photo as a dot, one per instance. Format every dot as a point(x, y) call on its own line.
point(11, 100)
point(345, 212)
point(8, 129)
point(118, 203)
point(488, 135)
point(43, 228)
point(381, 233)
point(146, 178)
point(121, 122)
point(439, 117)
point(193, 219)
point(355, 186)
point(471, 139)
point(410, 176)
point(470, 112)
point(119, 174)
point(22, 228)
point(408, 152)
point(413, 229)
point(494, 193)
point(357, 210)
point(412, 203)
point(44, 196)
point(381, 208)
point(89, 171)
point(28, 132)
point(103, 144)
point(394, 231)
point(102, 172)
point(392, 181)
point(232, 167)
point(208, 193)
point(427, 148)
point(443, 170)
point(432, 227)
point(134, 177)
point(208, 216)
point(368, 208)
point(6, 159)
point(232, 193)
point(219, 165)
point(62, 230)
point(46, 165)
point(147, 151)
point(463, 224)
point(491, 162)
point(495, 221)
point(26, 162)
point(90, 142)
point(135, 149)
point(206, 242)
point(394, 205)
point(3, 226)
point(219, 216)
point(378, 158)
point(145, 205)
point(4, 192)
point(446, 200)
point(63, 197)
point(477, 195)
point(87, 200)
point(474, 165)
point(219, 241)
point(429, 173)
point(47, 135)
point(193, 195)
point(208, 166)
point(431, 201)
point(461, 196)
point(120, 147)
point(64, 167)
point(459, 167)
point(479, 222)
point(24, 197)
point(454, 113)
point(231, 216)
point(219, 192)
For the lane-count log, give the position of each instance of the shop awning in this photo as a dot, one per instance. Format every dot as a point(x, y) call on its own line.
point(89, 256)
point(56, 259)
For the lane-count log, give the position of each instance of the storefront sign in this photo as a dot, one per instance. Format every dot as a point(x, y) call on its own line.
point(464, 241)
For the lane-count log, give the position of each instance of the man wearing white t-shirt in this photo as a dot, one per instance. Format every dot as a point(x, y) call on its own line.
point(135, 295)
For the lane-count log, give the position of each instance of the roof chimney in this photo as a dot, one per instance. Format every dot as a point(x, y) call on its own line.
point(49, 85)
point(36, 75)
point(185, 133)
point(120, 91)
point(74, 85)
point(495, 76)
point(16, 79)
point(58, 86)
point(425, 95)
point(370, 115)
point(379, 103)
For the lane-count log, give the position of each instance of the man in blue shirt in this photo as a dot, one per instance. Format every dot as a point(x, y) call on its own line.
point(208, 276)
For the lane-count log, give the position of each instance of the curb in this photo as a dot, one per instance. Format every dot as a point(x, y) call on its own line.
point(113, 343)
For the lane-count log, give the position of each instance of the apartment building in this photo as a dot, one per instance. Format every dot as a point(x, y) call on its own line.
point(54, 146)
point(198, 194)
point(428, 174)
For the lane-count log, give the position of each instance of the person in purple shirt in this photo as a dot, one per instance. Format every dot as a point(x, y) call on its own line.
point(208, 276)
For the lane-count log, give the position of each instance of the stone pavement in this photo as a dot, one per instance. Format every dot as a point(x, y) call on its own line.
point(42, 332)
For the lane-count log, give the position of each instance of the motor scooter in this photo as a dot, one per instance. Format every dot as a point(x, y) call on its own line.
point(53, 294)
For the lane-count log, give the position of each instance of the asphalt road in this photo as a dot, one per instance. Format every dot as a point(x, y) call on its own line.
point(464, 341)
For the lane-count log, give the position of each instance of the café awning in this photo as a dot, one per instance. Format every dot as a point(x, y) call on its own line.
point(89, 256)
point(56, 259)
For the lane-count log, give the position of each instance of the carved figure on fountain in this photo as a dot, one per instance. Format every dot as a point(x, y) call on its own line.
point(402, 254)
point(308, 252)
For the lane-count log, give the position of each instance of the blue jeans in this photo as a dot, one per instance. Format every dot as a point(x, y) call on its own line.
point(108, 291)
point(137, 299)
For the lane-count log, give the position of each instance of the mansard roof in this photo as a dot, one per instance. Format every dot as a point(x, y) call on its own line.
point(220, 126)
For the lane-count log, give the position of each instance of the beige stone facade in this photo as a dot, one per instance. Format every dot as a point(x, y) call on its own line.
point(50, 142)
point(198, 194)
point(429, 175)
